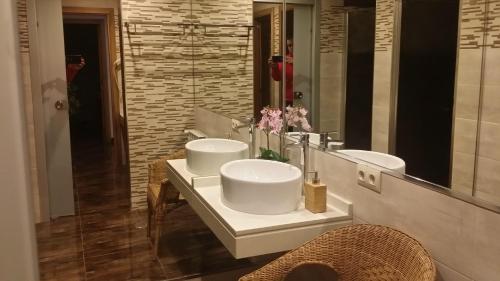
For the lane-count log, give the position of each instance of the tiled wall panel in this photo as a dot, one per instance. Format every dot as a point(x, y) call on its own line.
point(487, 184)
point(223, 64)
point(170, 68)
point(384, 25)
point(332, 45)
point(477, 102)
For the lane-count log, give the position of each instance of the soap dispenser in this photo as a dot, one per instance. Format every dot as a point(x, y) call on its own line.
point(315, 195)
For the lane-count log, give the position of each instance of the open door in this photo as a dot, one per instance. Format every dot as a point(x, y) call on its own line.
point(55, 107)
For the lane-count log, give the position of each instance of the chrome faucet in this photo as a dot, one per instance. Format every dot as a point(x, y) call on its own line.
point(250, 124)
point(325, 140)
point(303, 142)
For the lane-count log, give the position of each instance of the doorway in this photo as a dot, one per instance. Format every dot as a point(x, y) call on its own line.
point(85, 92)
point(95, 119)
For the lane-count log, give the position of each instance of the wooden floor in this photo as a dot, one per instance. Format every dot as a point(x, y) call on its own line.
point(107, 241)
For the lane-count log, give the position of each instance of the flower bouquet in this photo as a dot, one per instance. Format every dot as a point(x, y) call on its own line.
point(271, 122)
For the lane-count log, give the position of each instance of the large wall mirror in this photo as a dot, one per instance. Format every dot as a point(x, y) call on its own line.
point(414, 79)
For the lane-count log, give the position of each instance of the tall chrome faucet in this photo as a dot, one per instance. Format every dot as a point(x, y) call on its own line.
point(250, 124)
point(302, 142)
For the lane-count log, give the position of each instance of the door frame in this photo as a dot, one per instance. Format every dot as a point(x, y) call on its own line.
point(113, 105)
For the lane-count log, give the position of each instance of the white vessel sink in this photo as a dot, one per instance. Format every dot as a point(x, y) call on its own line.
point(387, 161)
point(261, 187)
point(204, 157)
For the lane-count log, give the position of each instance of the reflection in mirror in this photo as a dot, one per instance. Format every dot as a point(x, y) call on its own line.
point(267, 50)
point(410, 78)
point(426, 87)
point(222, 51)
point(347, 38)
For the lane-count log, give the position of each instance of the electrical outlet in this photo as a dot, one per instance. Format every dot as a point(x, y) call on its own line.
point(369, 177)
point(235, 123)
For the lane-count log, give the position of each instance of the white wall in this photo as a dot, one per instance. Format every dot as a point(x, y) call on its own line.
point(18, 257)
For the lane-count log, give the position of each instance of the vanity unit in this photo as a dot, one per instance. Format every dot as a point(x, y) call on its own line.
point(246, 234)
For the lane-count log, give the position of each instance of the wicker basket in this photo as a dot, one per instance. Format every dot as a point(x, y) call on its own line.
point(357, 252)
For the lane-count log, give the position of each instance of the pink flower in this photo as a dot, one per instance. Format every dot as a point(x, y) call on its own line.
point(271, 121)
point(296, 116)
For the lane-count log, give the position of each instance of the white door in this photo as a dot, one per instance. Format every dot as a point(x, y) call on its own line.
point(55, 107)
point(302, 55)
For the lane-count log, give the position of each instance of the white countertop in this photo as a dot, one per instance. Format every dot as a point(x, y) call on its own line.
point(208, 189)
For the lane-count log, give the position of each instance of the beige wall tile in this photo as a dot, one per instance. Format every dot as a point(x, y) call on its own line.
point(461, 237)
point(331, 64)
point(469, 66)
point(492, 65)
point(464, 135)
point(382, 66)
point(491, 103)
point(488, 180)
point(489, 136)
point(381, 94)
point(486, 245)
point(467, 101)
point(463, 170)
point(446, 273)
point(338, 173)
point(380, 129)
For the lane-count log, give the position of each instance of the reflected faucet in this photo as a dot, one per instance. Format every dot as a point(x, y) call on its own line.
point(303, 142)
point(250, 124)
point(325, 140)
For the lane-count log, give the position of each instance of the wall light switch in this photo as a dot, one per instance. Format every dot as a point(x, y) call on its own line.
point(369, 177)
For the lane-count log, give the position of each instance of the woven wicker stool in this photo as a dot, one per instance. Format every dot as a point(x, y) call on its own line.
point(161, 195)
point(357, 253)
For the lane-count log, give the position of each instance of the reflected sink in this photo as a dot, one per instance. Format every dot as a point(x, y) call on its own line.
point(387, 161)
point(204, 157)
point(261, 187)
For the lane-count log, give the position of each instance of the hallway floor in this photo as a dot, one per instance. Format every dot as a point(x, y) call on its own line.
point(107, 241)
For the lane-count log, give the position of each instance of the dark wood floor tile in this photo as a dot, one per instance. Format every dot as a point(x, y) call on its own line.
point(107, 240)
point(112, 239)
point(105, 219)
point(189, 248)
point(135, 263)
point(63, 269)
point(60, 227)
point(99, 204)
point(59, 248)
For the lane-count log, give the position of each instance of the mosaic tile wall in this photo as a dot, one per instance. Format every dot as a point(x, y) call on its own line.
point(332, 29)
point(223, 57)
point(332, 85)
point(384, 25)
point(169, 68)
point(477, 102)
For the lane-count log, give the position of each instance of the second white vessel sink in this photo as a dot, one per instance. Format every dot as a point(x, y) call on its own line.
point(387, 161)
point(204, 157)
point(261, 187)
